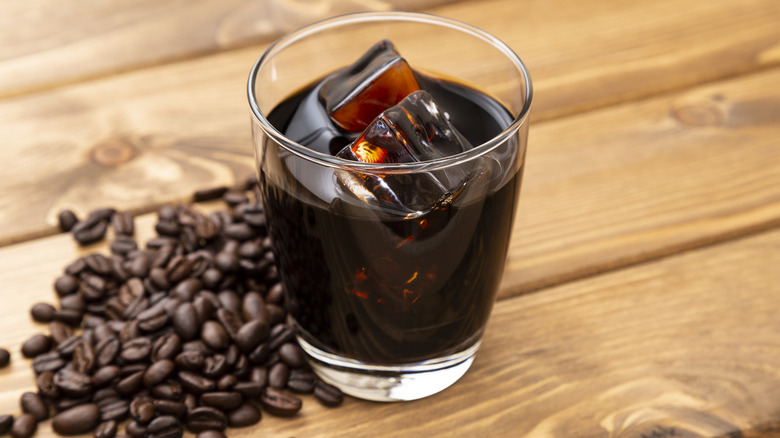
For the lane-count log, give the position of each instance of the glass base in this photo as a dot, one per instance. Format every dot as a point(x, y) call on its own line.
point(389, 383)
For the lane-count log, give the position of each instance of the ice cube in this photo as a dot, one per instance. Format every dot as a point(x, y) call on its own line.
point(378, 80)
point(414, 130)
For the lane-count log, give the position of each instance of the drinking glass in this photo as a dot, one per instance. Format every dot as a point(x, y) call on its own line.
point(390, 300)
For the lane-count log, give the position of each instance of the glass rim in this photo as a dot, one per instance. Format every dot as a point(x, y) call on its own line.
point(388, 168)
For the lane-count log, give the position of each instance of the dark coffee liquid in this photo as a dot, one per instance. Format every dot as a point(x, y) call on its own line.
point(379, 287)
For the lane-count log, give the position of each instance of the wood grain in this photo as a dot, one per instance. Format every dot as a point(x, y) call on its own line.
point(43, 45)
point(686, 346)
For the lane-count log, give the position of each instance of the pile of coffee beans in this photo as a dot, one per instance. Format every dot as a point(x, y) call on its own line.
point(188, 332)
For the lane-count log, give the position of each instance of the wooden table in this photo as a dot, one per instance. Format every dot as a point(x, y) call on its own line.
point(642, 292)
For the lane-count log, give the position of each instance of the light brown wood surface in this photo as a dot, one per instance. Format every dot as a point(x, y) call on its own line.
point(641, 291)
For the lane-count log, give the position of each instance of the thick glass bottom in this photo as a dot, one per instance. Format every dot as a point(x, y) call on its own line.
point(389, 383)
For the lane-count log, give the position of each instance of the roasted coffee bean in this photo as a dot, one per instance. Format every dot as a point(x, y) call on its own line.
point(280, 334)
point(190, 401)
point(98, 263)
point(178, 268)
point(158, 372)
point(302, 382)
point(260, 354)
point(86, 232)
point(280, 403)
point(166, 347)
point(106, 429)
point(278, 375)
point(185, 322)
point(5, 357)
point(187, 289)
point(214, 335)
point(46, 386)
point(72, 383)
point(292, 355)
point(105, 375)
point(116, 410)
point(122, 222)
point(275, 295)
point(229, 299)
point(106, 351)
point(65, 403)
point(136, 350)
point(6, 421)
point(226, 382)
point(129, 331)
point(166, 426)
point(83, 357)
point(226, 261)
point(210, 434)
point(205, 418)
point(253, 307)
point(196, 383)
point(105, 395)
point(209, 194)
point(152, 319)
point(59, 331)
point(50, 361)
point(68, 346)
point(168, 390)
point(135, 429)
point(69, 316)
point(204, 308)
point(215, 366)
point(170, 407)
point(73, 302)
point(248, 390)
point(66, 219)
point(24, 426)
point(142, 410)
point(77, 420)
point(76, 267)
point(37, 344)
point(243, 416)
point(42, 312)
point(222, 400)
point(230, 320)
point(32, 403)
point(66, 285)
point(190, 360)
point(131, 383)
point(241, 367)
point(134, 308)
point(328, 394)
point(234, 197)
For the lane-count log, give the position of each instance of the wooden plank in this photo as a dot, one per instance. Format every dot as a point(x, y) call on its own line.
point(42, 46)
point(686, 346)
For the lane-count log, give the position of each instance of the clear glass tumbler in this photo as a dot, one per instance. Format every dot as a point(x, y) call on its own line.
point(391, 270)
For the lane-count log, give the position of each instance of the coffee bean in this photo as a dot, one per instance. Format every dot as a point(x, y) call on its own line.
point(116, 410)
point(280, 403)
point(135, 429)
point(84, 357)
point(86, 232)
point(136, 350)
point(187, 289)
point(195, 383)
point(59, 331)
point(42, 312)
point(24, 426)
point(170, 407)
point(168, 390)
point(185, 322)
point(68, 346)
point(166, 426)
point(105, 375)
point(205, 418)
point(230, 300)
point(248, 390)
point(278, 375)
point(105, 396)
point(69, 316)
point(230, 320)
point(37, 344)
point(98, 263)
point(142, 410)
point(215, 366)
point(50, 361)
point(222, 400)
point(234, 197)
point(178, 268)
point(131, 384)
point(77, 420)
point(292, 355)
point(209, 194)
point(245, 415)
point(5, 357)
point(214, 335)
point(227, 382)
point(106, 429)
point(106, 351)
point(122, 222)
point(66, 219)
point(66, 285)
point(158, 372)
point(166, 347)
point(302, 382)
point(73, 302)
point(72, 383)
point(190, 360)
point(328, 394)
point(210, 434)
point(253, 307)
point(280, 334)
point(6, 421)
point(275, 294)
point(32, 403)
